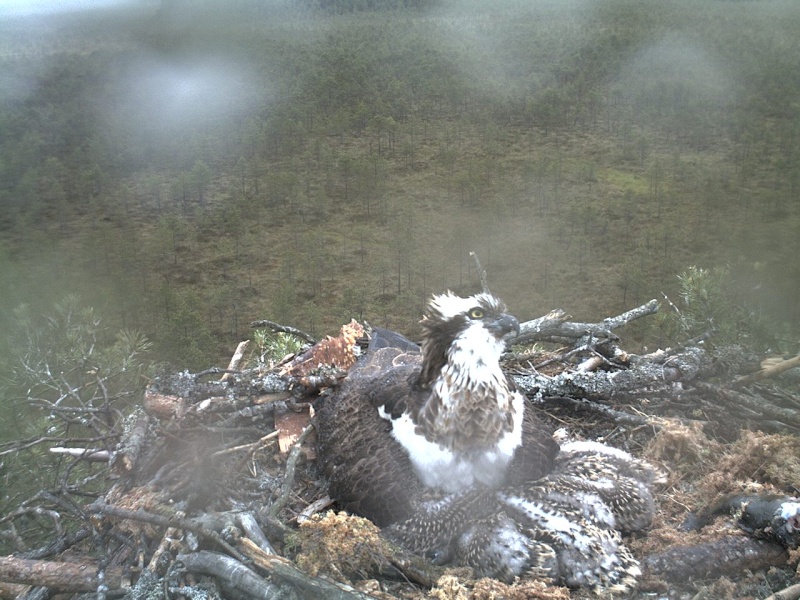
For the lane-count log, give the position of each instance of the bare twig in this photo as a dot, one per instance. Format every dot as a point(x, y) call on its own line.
point(252, 447)
point(481, 272)
point(587, 405)
point(314, 507)
point(177, 522)
point(554, 327)
point(285, 570)
point(278, 328)
point(90, 454)
point(291, 464)
point(233, 572)
point(254, 532)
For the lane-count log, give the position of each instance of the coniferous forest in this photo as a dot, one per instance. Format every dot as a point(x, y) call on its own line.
point(184, 168)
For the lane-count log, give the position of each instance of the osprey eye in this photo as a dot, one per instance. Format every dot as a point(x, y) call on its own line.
point(476, 313)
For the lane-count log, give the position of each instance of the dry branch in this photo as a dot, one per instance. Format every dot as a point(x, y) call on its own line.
point(233, 365)
point(90, 454)
point(554, 327)
point(9, 591)
point(790, 593)
point(583, 405)
point(63, 576)
point(234, 573)
point(729, 555)
point(284, 570)
point(769, 371)
point(198, 526)
point(741, 402)
point(660, 370)
point(278, 328)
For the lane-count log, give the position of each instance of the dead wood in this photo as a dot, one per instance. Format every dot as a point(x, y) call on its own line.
point(234, 573)
point(237, 357)
point(729, 555)
point(59, 545)
point(655, 371)
point(554, 327)
point(90, 454)
point(617, 416)
point(9, 591)
point(284, 570)
point(203, 526)
point(771, 370)
point(790, 593)
point(83, 576)
point(278, 328)
point(756, 408)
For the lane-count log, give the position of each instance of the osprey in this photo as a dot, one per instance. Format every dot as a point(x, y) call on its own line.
point(564, 527)
point(435, 445)
point(440, 418)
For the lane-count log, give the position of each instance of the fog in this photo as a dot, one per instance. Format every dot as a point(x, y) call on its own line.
point(678, 66)
point(19, 8)
point(554, 116)
point(161, 96)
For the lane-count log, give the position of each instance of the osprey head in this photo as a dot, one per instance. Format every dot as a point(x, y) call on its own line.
point(480, 320)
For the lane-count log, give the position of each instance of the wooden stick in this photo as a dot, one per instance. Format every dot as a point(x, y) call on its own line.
point(90, 454)
point(232, 572)
point(554, 327)
point(790, 593)
point(278, 328)
point(770, 371)
point(64, 576)
point(285, 570)
point(235, 360)
point(9, 591)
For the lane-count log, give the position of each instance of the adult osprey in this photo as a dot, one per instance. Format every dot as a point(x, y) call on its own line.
point(436, 446)
point(444, 418)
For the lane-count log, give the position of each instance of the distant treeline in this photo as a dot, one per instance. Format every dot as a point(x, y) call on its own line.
point(187, 172)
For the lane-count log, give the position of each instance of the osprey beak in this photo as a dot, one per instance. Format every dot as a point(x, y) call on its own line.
point(503, 325)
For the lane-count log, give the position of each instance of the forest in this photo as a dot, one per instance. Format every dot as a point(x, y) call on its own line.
point(184, 169)
point(174, 173)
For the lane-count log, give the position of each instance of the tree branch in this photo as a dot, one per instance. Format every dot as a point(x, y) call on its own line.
point(64, 576)
point(278, 328)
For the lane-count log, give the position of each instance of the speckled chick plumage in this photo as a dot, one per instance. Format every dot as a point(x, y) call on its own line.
point(565, 527)
point(439, 449)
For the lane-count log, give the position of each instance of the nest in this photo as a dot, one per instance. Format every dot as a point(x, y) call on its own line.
point(213, 489)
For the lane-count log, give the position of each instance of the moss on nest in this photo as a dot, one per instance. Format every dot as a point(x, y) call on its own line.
point(453, 587)
point(340, 546)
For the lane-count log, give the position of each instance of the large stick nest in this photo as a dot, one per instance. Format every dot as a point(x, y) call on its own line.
point(213, 491)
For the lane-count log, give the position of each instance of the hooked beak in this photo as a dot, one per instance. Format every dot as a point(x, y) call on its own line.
point(503, 325)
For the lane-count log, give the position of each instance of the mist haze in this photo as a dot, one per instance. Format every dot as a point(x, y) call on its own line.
point(189, 169)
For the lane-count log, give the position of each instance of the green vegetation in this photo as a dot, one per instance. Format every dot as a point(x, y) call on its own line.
point(190, 170)
point(74, 382)
point(709, 307)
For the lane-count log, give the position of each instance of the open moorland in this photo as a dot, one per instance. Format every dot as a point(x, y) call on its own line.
point(188, 169)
